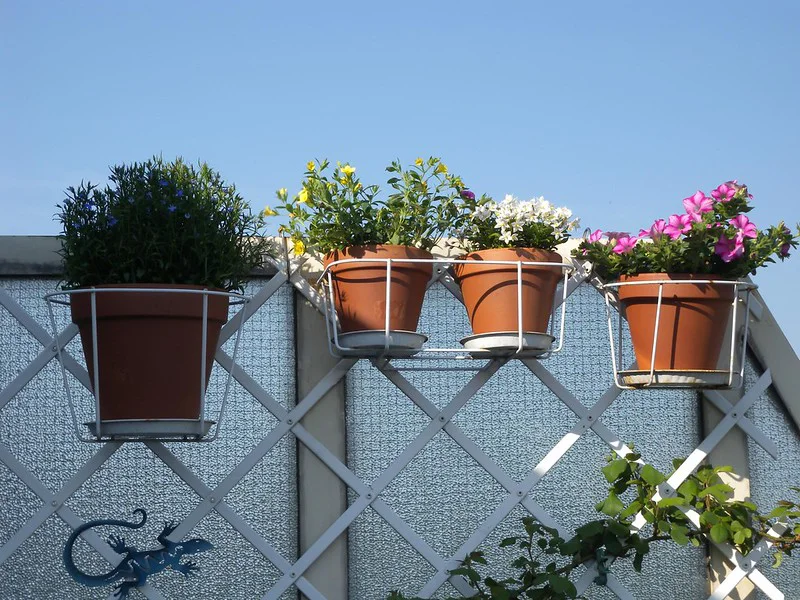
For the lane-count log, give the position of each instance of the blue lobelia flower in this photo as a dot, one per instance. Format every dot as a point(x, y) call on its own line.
point(163, 182)
point(171, 208)
point(179, 193)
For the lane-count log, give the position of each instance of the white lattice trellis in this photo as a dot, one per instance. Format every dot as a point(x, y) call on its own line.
point(293, 572)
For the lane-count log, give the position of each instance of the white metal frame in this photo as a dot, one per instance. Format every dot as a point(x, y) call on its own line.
point(737, 350)
point(294, 572)
point(332, 320)
point(196, 430)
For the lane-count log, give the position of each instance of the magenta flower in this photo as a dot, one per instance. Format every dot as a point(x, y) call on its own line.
point(595, 236)
point(613, 236)
point(784, 251)
point(467, 194)
point(697, 205)
point(728, 249)
point(678, 225)
point(725, 191)
point(625, 244)
point(656, 230)
point(744, 227)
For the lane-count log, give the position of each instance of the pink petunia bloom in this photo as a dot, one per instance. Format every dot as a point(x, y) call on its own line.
point(744, 227)
point(728, 249)
point(613, 236)
point(625, 244)
point(725, 191)
point(595, 236)
point(697, 205)
point(678, 225)
point(656, 230)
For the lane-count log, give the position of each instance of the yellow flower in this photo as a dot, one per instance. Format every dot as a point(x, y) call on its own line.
point(343, 181)
point(282, 193)
point(357, 187)
point(442, 168)
point(268, 212)
point(310, 165)
point(418, 162)
point(348, 170)
point(299, 247)
point(302, 197)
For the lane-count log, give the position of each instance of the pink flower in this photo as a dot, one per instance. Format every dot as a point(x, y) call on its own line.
point(656, 230)
point(613, 236)
point(729, 249)
point(697, 205)
point(625, 244)
point(725, 191)
point(595, 236)
point(678, 225)
point(744, 227)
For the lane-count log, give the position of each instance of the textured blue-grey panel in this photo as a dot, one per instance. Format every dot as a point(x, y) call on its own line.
point(36, 427)
point(444, 495)
point(770, 479)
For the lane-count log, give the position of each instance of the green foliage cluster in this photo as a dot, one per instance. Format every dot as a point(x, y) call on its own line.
point(547, 561)
point(159, 222)
point(336, 211)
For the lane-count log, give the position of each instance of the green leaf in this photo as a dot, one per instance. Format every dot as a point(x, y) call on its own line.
point(509, 541)
point(677, 501)
point(562, 585)
point(633, 508)
point(612, 505)
point(651, 475)
point(614, 469)
point(719, 533)
point(679, 534)
point(719, 491)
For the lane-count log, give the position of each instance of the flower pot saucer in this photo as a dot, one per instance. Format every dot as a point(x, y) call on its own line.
point(144, 429)
point(676, 379)
point(506, 343)
point(372, 342)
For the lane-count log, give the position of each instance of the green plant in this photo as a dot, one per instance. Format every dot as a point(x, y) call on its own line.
point(512, 223)
point(713, 236)
point(547, 561)
point(337, 211)
point(159, 222)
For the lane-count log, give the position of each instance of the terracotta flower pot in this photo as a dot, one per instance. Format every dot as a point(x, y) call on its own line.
point(692, 325)
point(359, 288)
point(490, 291)
point(149, 349)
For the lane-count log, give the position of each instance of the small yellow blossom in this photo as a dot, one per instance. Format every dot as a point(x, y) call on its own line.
point(310, 165)
point(442, 168)
point(357, 187)
point(268, 212)
point(343, 180)
point(418, 162)
point(302, 197)
point(348, 170)
point(299, 247)
point(282, 193)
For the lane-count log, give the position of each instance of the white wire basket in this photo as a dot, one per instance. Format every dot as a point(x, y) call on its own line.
point(204, 428)
point(389, 343)
point(729, 373)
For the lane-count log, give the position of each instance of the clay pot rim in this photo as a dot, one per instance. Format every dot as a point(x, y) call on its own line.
point(465, 270)
point(676, 290)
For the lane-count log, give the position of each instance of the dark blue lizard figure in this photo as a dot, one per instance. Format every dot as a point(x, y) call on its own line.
point(135, 567)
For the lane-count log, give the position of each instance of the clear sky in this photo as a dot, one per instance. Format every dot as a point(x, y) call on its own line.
point(617, 110)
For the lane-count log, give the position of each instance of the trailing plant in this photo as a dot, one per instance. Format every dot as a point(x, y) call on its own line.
point(547, 561)
point(159, 222)
point(512, 223)
point(334, 210)
point(713, 237)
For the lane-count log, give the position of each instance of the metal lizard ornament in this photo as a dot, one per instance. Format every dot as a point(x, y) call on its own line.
point(136, 566)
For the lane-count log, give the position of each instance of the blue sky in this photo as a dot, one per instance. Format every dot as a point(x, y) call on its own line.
point(617, 110)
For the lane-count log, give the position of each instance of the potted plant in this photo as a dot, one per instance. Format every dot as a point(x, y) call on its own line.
point(511, 230)
point(336, 215)
point(712, 241)
point(156, 225)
